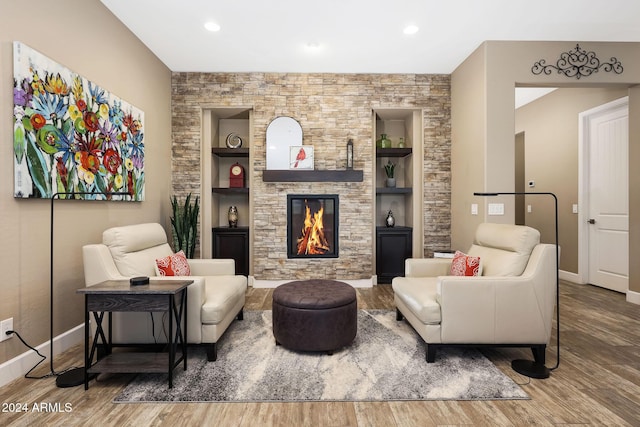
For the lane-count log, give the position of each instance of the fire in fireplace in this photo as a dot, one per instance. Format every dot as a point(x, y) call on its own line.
point(312, 226)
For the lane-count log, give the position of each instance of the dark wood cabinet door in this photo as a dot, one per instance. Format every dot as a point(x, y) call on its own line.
point(232, 243)
point(393, 247)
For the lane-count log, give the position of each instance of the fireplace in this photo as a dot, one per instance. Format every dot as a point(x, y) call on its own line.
point(312, 226)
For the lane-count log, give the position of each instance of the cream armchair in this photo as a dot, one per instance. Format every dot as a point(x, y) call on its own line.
point(510, 305)
point(214, 299)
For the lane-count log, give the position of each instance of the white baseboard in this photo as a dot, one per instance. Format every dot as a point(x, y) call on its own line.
point(359, 283)
point(633, 297)
point(20, 365)
point(570, 277)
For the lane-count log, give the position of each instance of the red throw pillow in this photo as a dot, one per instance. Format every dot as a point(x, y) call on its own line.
point(173, 265)
point(465, 265)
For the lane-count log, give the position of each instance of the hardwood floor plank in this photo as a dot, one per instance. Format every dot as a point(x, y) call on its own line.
point(374, 414)
point(626, 406)
point(412, 414)
point(447, 412)
point(328, 414)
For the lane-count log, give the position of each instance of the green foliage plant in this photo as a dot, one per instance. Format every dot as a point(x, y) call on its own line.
point(184, 224)
point(389, 169)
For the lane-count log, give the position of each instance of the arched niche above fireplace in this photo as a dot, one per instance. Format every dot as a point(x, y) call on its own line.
point(282, 133)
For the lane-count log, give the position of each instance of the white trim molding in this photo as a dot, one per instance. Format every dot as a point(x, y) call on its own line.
point(571, 277)
point(633, 297)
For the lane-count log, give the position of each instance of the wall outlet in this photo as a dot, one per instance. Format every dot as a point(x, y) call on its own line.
point(496, 208)
point(6, 325)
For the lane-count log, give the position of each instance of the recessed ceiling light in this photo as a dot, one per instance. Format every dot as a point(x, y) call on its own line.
point(212, 26)
point(313, 46)
point(410, 29)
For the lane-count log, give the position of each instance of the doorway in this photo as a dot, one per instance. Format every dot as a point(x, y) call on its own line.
point(604, 181)
point(553, 162)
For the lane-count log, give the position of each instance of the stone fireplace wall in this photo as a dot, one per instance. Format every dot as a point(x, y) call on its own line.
point(331, 108)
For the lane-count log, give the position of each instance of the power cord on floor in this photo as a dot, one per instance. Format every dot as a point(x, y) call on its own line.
point(43, 358)
point(523, 384)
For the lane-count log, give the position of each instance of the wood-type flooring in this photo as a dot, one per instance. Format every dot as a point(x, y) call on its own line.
point(597, 383)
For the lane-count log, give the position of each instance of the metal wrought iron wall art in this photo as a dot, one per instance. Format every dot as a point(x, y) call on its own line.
point(577, 63)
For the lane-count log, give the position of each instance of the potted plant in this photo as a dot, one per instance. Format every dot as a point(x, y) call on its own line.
point(389, 169)
point(184, 224)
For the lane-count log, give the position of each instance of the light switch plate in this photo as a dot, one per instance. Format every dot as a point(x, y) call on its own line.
point(474, 209)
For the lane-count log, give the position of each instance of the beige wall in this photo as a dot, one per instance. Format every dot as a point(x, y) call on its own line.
point(634, 189)
point(506, 65)
point(550, 127)
point(86, 38)
point(468, 142)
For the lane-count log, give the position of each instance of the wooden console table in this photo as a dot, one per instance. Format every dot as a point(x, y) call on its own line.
point(169, 296)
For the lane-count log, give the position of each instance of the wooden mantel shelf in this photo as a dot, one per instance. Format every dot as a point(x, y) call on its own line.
point(344, 175)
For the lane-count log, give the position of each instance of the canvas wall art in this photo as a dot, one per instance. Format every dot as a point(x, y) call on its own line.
point(71, 135)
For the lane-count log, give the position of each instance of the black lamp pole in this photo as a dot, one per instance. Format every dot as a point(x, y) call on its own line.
point(74, 376)
point(531, 368)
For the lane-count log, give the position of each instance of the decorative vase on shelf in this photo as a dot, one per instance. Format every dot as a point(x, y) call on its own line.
point(390, 221)
point(383, 142)
point(233, 216)
point(401, 143)
point(390, 182)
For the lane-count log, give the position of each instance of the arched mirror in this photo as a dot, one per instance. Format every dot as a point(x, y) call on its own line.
point(282, 133)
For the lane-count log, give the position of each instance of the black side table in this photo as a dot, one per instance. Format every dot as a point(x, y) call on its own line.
point(169, 296)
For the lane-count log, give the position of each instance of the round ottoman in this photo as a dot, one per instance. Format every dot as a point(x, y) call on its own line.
point(314, 315)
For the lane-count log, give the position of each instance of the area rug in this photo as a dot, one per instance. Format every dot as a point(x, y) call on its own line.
point(385, 362)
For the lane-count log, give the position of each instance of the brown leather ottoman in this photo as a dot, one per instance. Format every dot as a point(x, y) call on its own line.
point(314, 315)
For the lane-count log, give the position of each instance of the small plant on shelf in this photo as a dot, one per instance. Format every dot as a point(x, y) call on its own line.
point(389, 169)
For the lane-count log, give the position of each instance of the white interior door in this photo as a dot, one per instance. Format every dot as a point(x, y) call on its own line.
point(607, 214)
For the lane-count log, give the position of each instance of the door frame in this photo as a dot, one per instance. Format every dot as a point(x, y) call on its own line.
point(583, 182)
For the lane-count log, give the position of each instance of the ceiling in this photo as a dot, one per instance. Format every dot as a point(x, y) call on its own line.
point(359, 36)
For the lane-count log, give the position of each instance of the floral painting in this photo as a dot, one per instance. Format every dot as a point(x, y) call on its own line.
point(70, 135)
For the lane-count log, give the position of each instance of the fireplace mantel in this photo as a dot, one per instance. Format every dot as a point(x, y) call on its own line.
point(344, 175)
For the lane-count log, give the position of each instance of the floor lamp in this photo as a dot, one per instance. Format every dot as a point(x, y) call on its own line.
point(531, 368)
point(74, 376)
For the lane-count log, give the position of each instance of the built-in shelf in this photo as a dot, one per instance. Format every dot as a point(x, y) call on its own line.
point(393, 152)
point(230, 152)
point(395, 244)
point(345, 175)
point(226, 190)
point(394, 190)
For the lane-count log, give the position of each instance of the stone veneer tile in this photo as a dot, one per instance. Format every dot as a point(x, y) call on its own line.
point(330, 108)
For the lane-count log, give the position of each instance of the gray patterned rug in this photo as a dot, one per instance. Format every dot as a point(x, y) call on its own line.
point(386, 361)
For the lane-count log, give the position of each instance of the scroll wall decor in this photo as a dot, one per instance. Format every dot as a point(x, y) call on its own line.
point(577, 63)
point(72, 136)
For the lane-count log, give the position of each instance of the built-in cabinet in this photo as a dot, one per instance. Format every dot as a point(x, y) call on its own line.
point(404, 200)
point(393, 247)
point(232, 243)
point(219, 193)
